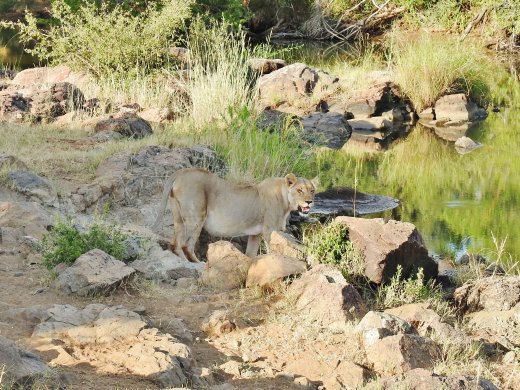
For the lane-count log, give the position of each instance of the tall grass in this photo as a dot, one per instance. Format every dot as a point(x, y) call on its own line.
point(220, 78)
point(427, 67)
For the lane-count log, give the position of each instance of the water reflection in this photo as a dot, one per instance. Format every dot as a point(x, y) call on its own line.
point(12, 55)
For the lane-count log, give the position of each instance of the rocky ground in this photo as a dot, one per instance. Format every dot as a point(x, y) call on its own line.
point(160, 322)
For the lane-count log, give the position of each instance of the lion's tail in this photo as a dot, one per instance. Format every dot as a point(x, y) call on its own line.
point(164, 201)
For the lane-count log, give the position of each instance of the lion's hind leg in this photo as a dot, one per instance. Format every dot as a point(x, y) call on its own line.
point(179, 230)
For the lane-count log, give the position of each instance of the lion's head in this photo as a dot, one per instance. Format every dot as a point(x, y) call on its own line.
point(301, 192)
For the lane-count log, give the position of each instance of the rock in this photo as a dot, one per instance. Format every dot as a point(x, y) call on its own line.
point(127, 124)
point(497, 327)
point(20, 367)
point(465, 145)
point(427, 321)
point(370, 124)
point(49, 102)
point(400, 353)
point(421, 379)
point(13, 106)
point(269, 268)
point(94, 272)
point(324, 294)
point(232, 368)
point(326, 129)
point(30, 216)
point(289, 87)
point(346, 201)
point(351, 375)
point(158, 115)
point(131, 178)
point(47, 75)
point(387, 245)
point(219, 322)
point(304, 383)
point(497, 293)
point(115, 341)
point(33, 185)
point(164, 265)
point(181, 54)
point(379, 95)
point(226, 268)
point(457, 107)
point(285, 244)
point(265, 65)
point(13, 162)
point(375, 326)
point(25, 315)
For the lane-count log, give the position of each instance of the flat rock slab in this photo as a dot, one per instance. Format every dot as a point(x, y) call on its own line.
point(269, 268)
point(347, 201)
point(33, 185)
point(113, 340)
point(94, 272)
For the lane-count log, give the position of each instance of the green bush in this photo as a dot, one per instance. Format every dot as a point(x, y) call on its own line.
point(106, 40)
point(330, 244)
point(66, 242)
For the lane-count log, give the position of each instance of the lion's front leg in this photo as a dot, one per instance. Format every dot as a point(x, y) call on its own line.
point(253, 243)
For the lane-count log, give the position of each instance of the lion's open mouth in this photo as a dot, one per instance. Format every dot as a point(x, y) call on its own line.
point(304, 209)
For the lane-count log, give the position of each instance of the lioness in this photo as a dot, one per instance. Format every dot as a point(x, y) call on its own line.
point(200, 199)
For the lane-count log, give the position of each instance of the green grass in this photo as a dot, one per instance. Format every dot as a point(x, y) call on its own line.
point(428, 66)
point(66, 242)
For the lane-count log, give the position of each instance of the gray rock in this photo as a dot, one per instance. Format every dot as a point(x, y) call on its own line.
point(22, 368)
point(129, 125)
point(31, 217)
point(386, 245)
point(323, 293)
point(13, 106)
point(326, 129)
point(458, 107)
point(52, 101)
point(465, 145)
point(94, 272)
point(375, 326)
point(33, 185)
point(164, 265)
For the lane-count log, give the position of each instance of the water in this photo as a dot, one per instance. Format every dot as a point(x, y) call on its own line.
point(458, 202)
point(12, 55)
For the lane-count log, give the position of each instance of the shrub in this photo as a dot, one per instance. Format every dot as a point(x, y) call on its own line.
point(329, 244)
point(428, 67)
point(66, 242)
point(105, 40)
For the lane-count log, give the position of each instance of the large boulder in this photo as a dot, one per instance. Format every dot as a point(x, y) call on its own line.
point(400, 353)
point(18, 367)
point(289, 88)
point(94, 272)
point(29, 216)
point(324, 294)
point(32, 185)
point(456, 108)
point(131, 178)
point(114, 341)
point(386, 245)
point(422, 379)
point(326, 129)
point(378, 95)
point(269, 268)
point(49, 102)
point(128, 125)
point(226, 268)
point(375, 326)
point(285, 244)
point(163, 265)
point(47, 75)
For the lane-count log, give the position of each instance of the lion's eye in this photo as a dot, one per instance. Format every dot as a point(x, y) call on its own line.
point(300, 191)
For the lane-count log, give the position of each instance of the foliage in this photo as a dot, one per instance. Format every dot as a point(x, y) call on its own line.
point(66, 242)
point(428, 67)
point(330, 244)
point(105, 40)
point(220, 78)
point(232, 11)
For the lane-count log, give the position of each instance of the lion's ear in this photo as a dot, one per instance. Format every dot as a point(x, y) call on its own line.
point(315, 182)
point(291, 179)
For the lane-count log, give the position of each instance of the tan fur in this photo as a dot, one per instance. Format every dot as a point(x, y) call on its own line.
point(199, 199)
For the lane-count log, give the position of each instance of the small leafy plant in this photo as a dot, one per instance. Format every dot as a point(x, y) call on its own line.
point(66, 242)
point(330, 245)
